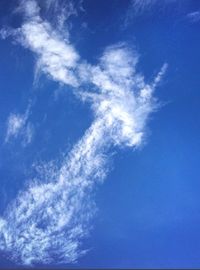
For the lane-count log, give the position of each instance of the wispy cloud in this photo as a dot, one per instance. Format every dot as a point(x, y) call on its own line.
point(62, 11)
point(47, 221)
point(144, 7)
point(15, 125)
point(56, 57)
point(18, 126)
point(141, 5)
point(194, 16)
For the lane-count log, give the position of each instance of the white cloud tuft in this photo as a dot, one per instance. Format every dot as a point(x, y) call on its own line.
point(17, 125)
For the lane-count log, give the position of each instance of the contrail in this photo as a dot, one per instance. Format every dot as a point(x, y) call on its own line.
point(47, 222)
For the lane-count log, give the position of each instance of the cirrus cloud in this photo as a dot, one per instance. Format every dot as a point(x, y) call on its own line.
point(48, 220)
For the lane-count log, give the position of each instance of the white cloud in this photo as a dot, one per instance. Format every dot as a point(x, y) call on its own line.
point(6, 32)
point(28, 134)
point(50, 218)
point(15, 124)
point(160, 74)
point(62, 11)
point(18, 126)
point(56, 57)
point(30, 8)
point(124, 100)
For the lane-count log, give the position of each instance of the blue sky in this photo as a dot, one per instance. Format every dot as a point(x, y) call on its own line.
point(99, 133)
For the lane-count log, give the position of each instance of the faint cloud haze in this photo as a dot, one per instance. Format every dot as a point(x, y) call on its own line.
point(194, 16)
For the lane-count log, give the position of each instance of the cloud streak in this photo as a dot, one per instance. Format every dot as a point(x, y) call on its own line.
point(48, 220)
